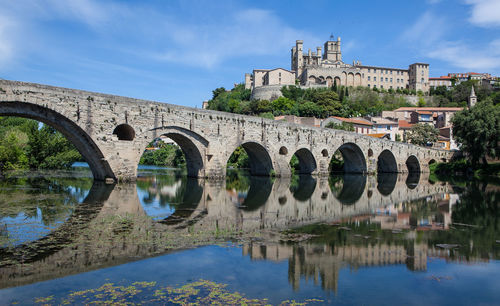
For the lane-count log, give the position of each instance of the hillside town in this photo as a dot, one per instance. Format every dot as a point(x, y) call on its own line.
point(326, 69)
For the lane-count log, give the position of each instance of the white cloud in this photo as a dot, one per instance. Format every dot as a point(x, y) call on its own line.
point(429, 35)
point(428, 29)
point(460, 55)
point(86, 11)
point(243, 33)
point(6, 39)
point(196, 39)
point(485, 13)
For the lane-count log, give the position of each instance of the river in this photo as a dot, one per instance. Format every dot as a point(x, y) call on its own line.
point(169, 239)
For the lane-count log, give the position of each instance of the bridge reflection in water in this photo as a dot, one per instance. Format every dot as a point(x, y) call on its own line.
point(112, 225)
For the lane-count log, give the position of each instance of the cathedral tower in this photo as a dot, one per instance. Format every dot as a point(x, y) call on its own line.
point(332, 50)
point(472, 98)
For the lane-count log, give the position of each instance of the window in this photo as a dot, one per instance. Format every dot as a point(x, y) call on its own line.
point(388, 127)
point(391, 71)
point(374, 70)
point(374, 78)
point(397, 80)
point(368, 78)
point(422, 72)
point(368, 69)
point(386, 80)
point(368, 85)
point(422, 80)
point(381, 86)
point(391, 80)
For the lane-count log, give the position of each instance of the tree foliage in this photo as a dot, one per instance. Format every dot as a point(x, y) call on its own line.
point(457, 95)
point(422, 134)
point(24, 144)
point(345, 126)
point(239, 159)
point(478, 131)
point(311, 102)
point(166, 155)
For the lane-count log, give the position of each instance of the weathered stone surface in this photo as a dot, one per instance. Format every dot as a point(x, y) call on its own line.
point(111, 132)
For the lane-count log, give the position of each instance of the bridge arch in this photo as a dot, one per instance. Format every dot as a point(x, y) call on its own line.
point(354, 159)
point(412, 164)
point(259, 159)
point(124, 132)
point(307, 162)
point(386, 162)
point(191, 144)
point(75, 134)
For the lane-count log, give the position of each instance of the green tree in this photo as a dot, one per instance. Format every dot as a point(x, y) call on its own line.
point(282, 106)
point(167, 155)
point(345, 126)
point(239, 159)
point(216, 92)
point(422, 134)
point(49, 149)
point(309, 109)
point(267, 115)
point(292, 92)
point(260, 106)
point(334, 88)
point(12, 155)
point(478, 131)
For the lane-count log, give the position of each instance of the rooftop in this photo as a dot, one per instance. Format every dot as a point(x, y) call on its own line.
point(361, 121)
point(403, 124)
point(431, 109)
point(380, 120)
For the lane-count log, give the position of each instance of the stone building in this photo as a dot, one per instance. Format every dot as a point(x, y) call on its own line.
point(441, 81)
point(321, 69)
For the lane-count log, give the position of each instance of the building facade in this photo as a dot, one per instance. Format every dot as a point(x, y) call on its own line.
point(324, 67)
point(441, 81)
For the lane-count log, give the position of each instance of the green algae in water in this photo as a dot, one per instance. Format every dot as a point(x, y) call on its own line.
point(201, 292)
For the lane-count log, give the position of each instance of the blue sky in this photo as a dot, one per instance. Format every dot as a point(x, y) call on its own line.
point(179, 51)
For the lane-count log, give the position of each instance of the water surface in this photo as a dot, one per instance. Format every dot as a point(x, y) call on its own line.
point(392, 239)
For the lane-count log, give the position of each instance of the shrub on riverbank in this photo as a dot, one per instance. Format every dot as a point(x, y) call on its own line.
point(464, 167)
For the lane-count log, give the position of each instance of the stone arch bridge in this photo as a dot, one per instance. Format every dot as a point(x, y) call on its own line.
point(112, 132)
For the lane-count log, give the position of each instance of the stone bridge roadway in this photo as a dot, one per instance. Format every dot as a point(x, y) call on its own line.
point(111, 133)
point(88, 240)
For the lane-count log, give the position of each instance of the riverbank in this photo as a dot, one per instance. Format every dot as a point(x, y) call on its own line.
point(462, 168)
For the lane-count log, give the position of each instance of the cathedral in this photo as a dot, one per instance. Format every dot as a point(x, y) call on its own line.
point(322, 69)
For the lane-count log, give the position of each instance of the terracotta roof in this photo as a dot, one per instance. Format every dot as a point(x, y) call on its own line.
point(431, 109)
point(354, 120)
point(446, 78)
point(404, 124)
